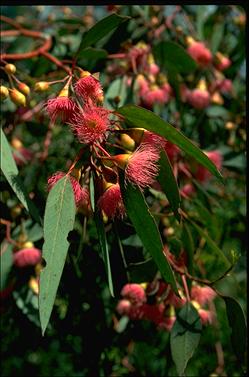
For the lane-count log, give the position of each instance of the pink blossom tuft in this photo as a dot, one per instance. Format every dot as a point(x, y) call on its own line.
point(111, 202)
point(89, 88)
point(187, 190)
point(81, 194)
point(135, 293)
point(124, 307)
point(202, 294)
point(199, 99)
point(154, 140)
point(200, 53)
point(226, 86)
point(207, 317)
point(91, 124)
point(62, 107)
point(27, 257)
point(155, 95)
point(142, 167)
point(224, 63)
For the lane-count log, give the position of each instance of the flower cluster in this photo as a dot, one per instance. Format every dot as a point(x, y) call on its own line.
point(156, 302)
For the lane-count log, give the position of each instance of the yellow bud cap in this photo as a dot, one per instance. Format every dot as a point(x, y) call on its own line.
point(127, 142)
point(151, 59)
point(41, 86)
point(144, 285)
point(17, 97)
point(10, 69)
point(4, 92)
point(216, 98)
point(76, 173)
point(170, 312)
point(190, 40)
point(24, 88)
point(202, 85)
point(84, 74)
point(16, 143)
point(33, 285)
point(230, 126)
point(196, 305)
point(28, 245)
point(122, 160)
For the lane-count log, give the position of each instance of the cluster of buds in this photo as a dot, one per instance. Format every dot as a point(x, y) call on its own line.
point(156, 302)
point(18, 91)
point(79, 104)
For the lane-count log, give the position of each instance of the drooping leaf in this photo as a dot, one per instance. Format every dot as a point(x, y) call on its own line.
point(100, 30)
point(237, 322)
point(104, 248)
point(185, 336)
point(188, 243)
point(171, 55)
point(10, 172)
point(146, 228)
point(168, 183)
point(58, 222)
point(211, 244)
point(136, 116)
point(6, 261)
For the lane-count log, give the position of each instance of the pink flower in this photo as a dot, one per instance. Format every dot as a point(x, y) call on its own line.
point(174, 300)
point(89, 88)
point(167, 323)
point(154, 313)
point(226, 86)
point(199, 98)
point(27, 257)
point(140, 166)
point(111, 202)
point(135, 293)
point(223, 62)
point(154, 140)
point(199, 52)
point(202, 294)
point(91, 124)
point(153, 69)
point(155, 95)
point(124, 307)
point(187, 190)
point(202, 174)
point(81, 194)
point(60, 107)
point(206, 316)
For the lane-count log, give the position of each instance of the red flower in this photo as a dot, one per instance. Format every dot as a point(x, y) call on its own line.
point(202, 174)
point(199, 98)
point(134, 293)
point(124, 307)
point(187, 190)
point(206, 316)
point(199, 52)
point(81, 194)
point(202, 294)
point(111, 202)
point(27, 257)
point(60, 107)
point(89, 88)
point(91, 124)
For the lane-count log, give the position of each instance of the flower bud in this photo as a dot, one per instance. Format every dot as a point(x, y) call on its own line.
point(10, 69)
point(28, 245)
point(84, 74)
point(34, 285)
point(23, 88)
point(230, 126)
point(4, 92)
point(17, 97)
point(127, 142)
point(216, 98)
point(41, 86)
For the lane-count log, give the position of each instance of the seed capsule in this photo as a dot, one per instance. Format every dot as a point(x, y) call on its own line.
point(23, 88)
point(4, 92)
point(17, 97)
point(41, 86)
point(10, 69)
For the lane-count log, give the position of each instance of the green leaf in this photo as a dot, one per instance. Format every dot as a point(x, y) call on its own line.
point(10, 172)
point(237, 322)
point(185, 336)
point(93, 53)
point(104, 248)
point(171, 55)
point(189, 246)
point(117, 88)
point(211, 243)
point(58, 222)
point(216, 111)
point(100, 30)
point(168, 183)
point(136, 116)
point(6, 261)
point(217, 36)
point(146, 228)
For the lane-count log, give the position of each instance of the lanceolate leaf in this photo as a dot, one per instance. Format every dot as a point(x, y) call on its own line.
point(10, 172)
point(211, 244)
point(168, 183)
point(189, 246)
point(104, 248)
point(136, 116)
point(6, 261)
point(171, 55)
point(146, 228)
point(185, 336)
point(237, 322)
point(58, 222)
point(100, 30)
